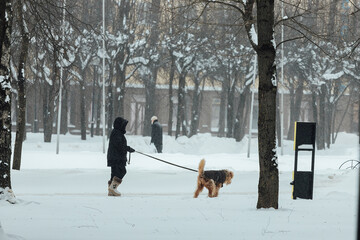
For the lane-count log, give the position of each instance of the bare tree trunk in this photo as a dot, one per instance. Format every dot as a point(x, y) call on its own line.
point(223, 97)
point(327, 104)
point(110, 103)
point(36, 120)
point(268, 188)
point(150, 84)
point(171, 101)
point(321, 123)
point(299, 93)
point(5, 95)
point(120, 92)
point(98, 111)
point(231, 108)
point(64, 107)
point(333, 110)
point(181, 106)
point(122, 59)
point(328, 117)
point(47, 108)
point(332, 16)
point(121, 107)
point(93, 102)
point(292, 104)
point(83, 121)
point(239, 131)
point(37, 92)
point(296, 108)
point(48, 100)
point(20, 125)
point(195, 111)
point(150, 87)
point(333, 118)
point(343, 117)
point(315, 112)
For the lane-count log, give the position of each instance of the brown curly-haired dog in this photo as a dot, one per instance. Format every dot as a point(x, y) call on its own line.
point(212, 180)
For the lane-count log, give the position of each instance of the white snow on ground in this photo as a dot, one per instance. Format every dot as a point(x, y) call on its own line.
point(64, 196)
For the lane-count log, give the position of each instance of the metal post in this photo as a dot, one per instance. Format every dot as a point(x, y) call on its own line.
point(103, 72)
point(61, 79)
point(93, 103)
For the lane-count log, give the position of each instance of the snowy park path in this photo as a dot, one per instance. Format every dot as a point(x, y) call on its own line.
point(72, 204)
point(64, 196)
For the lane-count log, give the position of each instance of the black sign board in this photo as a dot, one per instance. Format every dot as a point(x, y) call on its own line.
point(304, 133)
point(304, 140)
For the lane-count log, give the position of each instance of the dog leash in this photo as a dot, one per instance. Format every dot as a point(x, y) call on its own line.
point(190, 169)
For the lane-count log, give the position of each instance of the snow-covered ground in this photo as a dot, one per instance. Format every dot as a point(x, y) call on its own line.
point(64, 196)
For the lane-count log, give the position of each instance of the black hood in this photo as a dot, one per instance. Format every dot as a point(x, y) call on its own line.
point(120, 124)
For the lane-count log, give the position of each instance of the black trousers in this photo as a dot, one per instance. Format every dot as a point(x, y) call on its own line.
point(118, 171)
point(158, 148)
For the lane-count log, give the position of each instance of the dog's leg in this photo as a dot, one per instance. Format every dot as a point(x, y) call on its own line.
point(210, 185)
point(199, 188)
point(217, 188)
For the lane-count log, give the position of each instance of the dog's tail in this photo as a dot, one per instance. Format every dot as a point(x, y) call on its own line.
point(201, 166)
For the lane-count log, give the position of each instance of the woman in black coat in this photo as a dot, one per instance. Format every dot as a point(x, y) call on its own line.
point(116, 155)
point(156, 134)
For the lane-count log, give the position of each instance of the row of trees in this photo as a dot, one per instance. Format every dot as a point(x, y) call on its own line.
point(225, 65)
point(189, 41)
point(325, 64)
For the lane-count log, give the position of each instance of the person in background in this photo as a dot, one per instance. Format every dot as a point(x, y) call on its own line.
point(156, 134)
point(116, 155)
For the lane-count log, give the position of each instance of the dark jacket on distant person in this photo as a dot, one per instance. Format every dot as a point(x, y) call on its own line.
point(156, 133)
point(118, 148)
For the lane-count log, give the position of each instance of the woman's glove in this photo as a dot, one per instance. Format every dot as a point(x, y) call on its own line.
point(130, 149)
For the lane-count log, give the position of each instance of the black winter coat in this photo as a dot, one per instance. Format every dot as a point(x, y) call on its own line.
point(156, 133)
point(118, 147)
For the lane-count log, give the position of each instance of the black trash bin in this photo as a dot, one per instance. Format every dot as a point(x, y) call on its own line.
point(303, 181)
